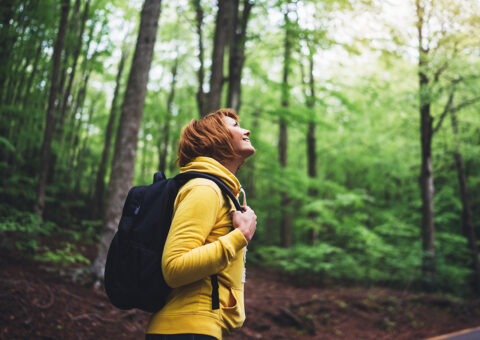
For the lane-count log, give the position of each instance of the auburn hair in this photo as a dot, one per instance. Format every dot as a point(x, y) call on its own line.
point(208, 136)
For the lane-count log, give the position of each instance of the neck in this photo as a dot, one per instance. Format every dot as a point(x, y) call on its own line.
point(233, 165)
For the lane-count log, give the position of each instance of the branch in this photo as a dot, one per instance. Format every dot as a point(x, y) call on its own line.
point(446, 110)
point(466, 103)
point(440, 70)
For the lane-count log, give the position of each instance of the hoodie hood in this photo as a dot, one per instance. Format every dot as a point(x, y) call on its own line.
point(212, 166)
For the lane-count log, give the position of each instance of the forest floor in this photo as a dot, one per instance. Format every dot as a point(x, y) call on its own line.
point(41, 301)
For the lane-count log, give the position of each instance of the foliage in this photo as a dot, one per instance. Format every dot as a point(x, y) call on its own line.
point(65, 257)
point(27, 230)
point(24, 229)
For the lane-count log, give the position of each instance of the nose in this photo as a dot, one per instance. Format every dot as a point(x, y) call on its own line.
point(247, 132)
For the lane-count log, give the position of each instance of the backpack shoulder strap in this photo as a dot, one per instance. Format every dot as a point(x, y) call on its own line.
point(186, 176)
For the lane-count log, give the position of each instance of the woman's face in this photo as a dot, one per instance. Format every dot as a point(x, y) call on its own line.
point(240, 141)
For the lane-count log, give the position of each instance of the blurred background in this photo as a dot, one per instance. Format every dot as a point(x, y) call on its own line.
point(364, 114)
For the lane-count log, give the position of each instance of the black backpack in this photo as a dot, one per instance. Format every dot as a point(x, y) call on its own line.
point(133, 270)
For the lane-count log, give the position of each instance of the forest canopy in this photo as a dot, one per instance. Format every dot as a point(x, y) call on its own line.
point(364, 114)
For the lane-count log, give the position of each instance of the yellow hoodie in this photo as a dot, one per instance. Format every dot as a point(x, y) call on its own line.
point(201, 243)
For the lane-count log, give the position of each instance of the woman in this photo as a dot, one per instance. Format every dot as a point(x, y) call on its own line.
point(201, 241)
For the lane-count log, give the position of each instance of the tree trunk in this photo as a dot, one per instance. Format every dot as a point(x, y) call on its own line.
point(286, 222)
point(69, 138)
point(132, 109)
point(81, 164)
point(201, 96)
point(7, 40)
point(71, 32)
point(166, 126)
point(237, 56)
point(98, 198)
point(74, 135)
point(26, 94)
point(311, 142)
point(224, 25)
point(426, 172)
point(76, 54)
point(467, 216)
point(50, 118)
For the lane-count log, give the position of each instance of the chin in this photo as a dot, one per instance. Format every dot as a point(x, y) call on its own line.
point(249, 152)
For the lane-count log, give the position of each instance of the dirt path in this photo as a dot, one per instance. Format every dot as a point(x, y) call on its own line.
point(37, 302)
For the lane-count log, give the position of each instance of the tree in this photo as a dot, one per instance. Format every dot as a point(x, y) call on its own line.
point(223, 27)
point(441, 43)
point(201, 96)
point(237, 55)
point(50, 114)
point(311, 139)
point(467, 216)
point(163, 147)
point(286, 221)
point(126, 144)
point(98, 198)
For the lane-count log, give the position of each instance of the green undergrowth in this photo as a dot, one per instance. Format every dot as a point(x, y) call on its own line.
point(30, 236)
point(326, 264)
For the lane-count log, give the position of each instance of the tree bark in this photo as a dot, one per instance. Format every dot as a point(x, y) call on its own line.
point(26, 94)
point(224, 25)
point(76, 54)
point(426, 172)
point(201, 96)
point(81, 164)
point(311, 150)
point(467, 216)
point(69, 142)
point(50, 114)
point(286, 221)
point(7, 40)
point(237, 55)
point(132, 109)
point(98, 198)
point(166, 126)
point(70, 34)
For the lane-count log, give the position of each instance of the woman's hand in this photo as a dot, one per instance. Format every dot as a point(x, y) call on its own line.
point(245, 221)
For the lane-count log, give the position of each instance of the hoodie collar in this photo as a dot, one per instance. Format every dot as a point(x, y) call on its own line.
point(212, 166)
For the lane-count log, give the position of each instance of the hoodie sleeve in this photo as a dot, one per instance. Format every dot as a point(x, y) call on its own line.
point(186, 257)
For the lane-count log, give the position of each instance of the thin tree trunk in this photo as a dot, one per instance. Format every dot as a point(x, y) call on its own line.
point(166, 126)
point(50, 118)
point(74, 135)
point(426, 172)
point(13, 79)
point(249, 174)
point(98, 198)
point(311, 150)
point(7, 40)
point(132, 109)
point(224, 25)
point(467, 216)
point(286, 222)
point(76, 54)
point(21, 82)
point(26, 94)
point(237, 56)
point(82, 161)
point(68, 144)
point(71, 31)
point(201, 96)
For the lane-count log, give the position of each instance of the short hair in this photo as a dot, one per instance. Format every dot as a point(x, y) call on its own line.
point(208, 136)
